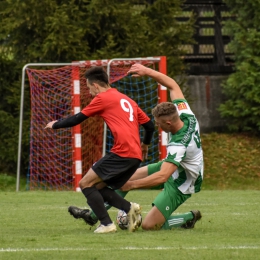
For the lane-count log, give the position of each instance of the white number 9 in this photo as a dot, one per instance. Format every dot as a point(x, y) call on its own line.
point(127, 109)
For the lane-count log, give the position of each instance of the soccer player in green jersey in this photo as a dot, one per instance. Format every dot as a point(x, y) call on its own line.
point(180, 174)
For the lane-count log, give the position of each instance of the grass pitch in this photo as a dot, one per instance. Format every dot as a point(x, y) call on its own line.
point(36, 225)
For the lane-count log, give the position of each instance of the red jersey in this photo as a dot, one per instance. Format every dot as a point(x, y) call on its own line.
point(123, 116)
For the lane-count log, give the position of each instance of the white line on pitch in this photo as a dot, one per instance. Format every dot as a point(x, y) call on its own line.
point(3, 250)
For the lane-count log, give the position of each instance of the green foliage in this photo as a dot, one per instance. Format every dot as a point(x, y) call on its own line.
point(8, 183)
point(231, 161)
point(9, 116)
point(68, 30)
point(242, 87)
point(166, 34)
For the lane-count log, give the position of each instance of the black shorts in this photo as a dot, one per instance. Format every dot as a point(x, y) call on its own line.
point(114, 170)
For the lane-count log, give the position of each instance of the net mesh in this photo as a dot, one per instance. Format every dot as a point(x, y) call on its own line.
point(51, 151)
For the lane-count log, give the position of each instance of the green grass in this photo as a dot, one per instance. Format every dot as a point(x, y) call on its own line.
point(36, 225)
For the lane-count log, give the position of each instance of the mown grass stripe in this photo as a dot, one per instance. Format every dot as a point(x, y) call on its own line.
point(241, 247)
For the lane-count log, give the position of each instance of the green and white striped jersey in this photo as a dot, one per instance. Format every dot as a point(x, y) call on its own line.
point(184, 150)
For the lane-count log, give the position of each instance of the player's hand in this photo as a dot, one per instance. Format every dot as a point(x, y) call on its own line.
point(50, 124)
point(137, 70)
point(127, 186)
point(144, 148)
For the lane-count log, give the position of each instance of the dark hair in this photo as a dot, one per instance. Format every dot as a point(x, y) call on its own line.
point(164, 109)
point(97, 75)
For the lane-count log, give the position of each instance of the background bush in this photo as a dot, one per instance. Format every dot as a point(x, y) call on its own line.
point(242, 88)
point(68, 30)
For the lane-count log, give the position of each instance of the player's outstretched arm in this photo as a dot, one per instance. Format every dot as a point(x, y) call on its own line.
point(151, 180)
point(138, 70)
point(67, 122)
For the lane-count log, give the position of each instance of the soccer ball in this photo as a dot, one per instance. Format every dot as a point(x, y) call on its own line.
point(122, 220)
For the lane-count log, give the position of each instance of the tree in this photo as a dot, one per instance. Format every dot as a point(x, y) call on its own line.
point(242, 107)
point(68, 30)
point(9, 117)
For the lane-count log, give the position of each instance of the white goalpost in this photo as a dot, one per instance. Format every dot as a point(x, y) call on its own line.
point(59, 159)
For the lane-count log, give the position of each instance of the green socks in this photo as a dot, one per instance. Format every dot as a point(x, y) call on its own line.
point(107, 206)
point(175, 221)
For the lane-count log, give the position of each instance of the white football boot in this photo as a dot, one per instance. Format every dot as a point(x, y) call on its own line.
point(111, 228)
point(134, 217)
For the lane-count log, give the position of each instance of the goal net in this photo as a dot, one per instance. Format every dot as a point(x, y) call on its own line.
point(59, 158)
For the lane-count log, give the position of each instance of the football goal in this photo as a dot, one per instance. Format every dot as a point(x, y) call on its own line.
point(59, 158)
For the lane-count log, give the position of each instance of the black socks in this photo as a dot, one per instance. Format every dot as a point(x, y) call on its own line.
point(96, 202)
point(114, 199)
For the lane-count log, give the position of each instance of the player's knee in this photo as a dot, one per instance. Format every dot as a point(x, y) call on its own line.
point(81, 184)
point(85, 183)
point(150, 225)
point(147, 226)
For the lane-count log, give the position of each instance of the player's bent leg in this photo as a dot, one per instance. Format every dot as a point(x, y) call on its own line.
point(177, 221)
point(93, 196)
point(88, 215)
point(90, 179)
point(153, 220)
point(114, 199)
point(107, 206)
point(196, 216)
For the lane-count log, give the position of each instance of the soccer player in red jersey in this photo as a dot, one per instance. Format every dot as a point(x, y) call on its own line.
point(123, 117)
